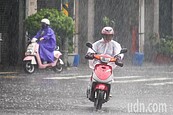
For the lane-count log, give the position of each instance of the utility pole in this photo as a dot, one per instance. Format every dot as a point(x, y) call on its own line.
point(31, 8)
point(90, 20)
point(65, 8)
point(156, 17)
point(172, 18)
point(76, 19)
point(0, 45)
point(141, 25)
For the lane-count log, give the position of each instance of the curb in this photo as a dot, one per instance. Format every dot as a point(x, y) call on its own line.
point(8, 73)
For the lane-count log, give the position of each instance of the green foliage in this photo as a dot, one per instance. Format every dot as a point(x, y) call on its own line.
point(59, 22)
point(108, 22)
point(163, 45)
point(154, 39)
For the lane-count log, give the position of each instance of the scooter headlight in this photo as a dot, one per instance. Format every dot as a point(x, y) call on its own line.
point(104, 60)
point(29, 52)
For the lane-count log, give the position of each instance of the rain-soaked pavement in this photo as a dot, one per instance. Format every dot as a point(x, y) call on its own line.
point(137, 90)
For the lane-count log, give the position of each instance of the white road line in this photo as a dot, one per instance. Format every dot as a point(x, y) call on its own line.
point(83, 76)
point(125, 79)
point(8, 77)
point(142, 80)
point(162, 83)
point(72, 77)
point(60, 78)
point(87, 76)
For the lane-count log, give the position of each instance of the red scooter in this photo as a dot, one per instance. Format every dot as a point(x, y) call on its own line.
point(99, 89)
point(32, 59)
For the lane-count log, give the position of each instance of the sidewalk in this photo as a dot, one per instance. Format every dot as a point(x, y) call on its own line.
point(84, 69)
point(8, 70)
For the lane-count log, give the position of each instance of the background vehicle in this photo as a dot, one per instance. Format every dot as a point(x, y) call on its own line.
point(32, 59)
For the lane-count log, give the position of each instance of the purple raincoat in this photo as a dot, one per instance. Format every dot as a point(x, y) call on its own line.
point(47, 45)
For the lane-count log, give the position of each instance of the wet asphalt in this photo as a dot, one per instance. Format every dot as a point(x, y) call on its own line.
point(48, 93)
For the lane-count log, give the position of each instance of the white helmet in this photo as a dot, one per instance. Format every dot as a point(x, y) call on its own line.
point(46, 21)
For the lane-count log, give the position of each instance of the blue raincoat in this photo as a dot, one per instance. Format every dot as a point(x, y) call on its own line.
point(47, 45)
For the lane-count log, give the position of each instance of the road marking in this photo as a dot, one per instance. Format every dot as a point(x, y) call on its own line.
point(2, 73)
point(83, 76)
point(72, 77)
point(60, 78)
point(124, 79)
point(8, 77)
point(142, 80)
point(87, 76)
point(127, 77)
point(162, 83)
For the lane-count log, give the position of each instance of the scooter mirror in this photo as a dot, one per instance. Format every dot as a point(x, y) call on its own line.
point(89, 45)
point(123, 50)
point(57, 48)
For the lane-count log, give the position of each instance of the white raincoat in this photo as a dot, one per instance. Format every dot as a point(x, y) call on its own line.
point(111, 48)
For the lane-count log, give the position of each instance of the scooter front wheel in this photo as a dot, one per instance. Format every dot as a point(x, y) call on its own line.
point(28, 67)
point(58, 68)
point(99, 100)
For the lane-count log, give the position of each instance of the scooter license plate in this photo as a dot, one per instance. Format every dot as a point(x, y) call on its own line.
point(101, 86)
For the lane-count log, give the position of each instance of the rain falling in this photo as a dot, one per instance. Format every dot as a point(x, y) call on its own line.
point(139, 81)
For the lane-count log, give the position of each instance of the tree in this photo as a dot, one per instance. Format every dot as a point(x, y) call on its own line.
point(60, 23)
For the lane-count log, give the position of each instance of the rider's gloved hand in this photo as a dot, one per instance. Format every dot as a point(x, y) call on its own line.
point(34, 40)
point(41, 39)
point(118, 61)
point(89, 56)
point(117, 57)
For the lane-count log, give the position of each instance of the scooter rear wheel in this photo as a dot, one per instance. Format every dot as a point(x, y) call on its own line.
point(28, 67)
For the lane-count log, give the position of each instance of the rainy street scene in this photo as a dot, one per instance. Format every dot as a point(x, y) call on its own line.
point(86, 57)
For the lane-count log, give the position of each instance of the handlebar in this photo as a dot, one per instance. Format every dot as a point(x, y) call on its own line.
point(100, 57)
point(111, 59)
point(107, 58)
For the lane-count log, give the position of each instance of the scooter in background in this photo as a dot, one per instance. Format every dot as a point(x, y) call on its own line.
point(32, 59)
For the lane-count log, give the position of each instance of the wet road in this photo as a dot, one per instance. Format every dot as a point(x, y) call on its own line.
point(146, 90)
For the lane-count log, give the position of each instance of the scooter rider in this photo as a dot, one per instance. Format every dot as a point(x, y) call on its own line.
point(106, 45)
point(47, 41)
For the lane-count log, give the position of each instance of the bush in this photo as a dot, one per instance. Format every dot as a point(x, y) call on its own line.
point(59, 22)
point(163, 45)
point(108, 22)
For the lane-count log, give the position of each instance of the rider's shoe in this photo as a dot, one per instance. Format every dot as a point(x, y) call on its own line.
point(109, 97)
point(44, 62)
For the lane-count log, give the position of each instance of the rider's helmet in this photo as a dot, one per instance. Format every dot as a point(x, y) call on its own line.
point(107, 33)
point(46, 21)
